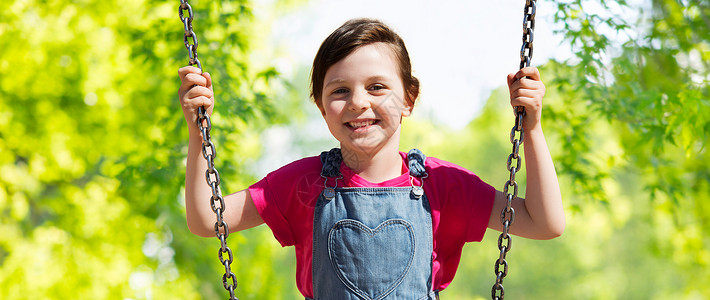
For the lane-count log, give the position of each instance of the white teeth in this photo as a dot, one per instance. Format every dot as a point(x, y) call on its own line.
point(358, 124)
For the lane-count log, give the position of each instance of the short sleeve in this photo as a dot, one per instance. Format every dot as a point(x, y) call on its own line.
point(461, 206)
point(463, 199)
point(270, 212)
point(285, 199)
point(483, 196)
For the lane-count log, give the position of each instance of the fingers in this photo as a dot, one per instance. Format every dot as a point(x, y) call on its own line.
point(526, 78)
point(526, 89)
point(208, 77)
point(187, 70)
point(196, 88)
point(199, 96)
point(192, 77)
point(527, 102)
point(529, 72)
point(195, 91)
point(511, 80)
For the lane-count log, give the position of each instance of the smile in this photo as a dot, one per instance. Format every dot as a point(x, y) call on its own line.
point(360, 124)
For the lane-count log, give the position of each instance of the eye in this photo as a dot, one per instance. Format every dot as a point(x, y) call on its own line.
point(377, 87)
point(340, 91)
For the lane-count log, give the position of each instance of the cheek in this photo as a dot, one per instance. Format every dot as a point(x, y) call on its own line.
point(331, 113)
point(331, 108)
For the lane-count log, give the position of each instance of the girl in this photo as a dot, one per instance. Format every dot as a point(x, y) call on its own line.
point(368, 221)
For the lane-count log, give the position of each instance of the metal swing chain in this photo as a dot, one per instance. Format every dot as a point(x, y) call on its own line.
point(209, 152)
point(507, 216)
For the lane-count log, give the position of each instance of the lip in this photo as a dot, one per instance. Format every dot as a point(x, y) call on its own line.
point(365, 124)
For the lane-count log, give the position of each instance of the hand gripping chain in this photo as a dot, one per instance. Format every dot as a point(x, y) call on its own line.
point(507, 216)
point(209, 152)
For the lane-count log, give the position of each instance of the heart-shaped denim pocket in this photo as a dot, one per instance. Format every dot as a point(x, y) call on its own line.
point(371, 262)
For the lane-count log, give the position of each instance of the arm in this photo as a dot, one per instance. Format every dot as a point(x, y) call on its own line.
point(240, 212)
point(540, 215)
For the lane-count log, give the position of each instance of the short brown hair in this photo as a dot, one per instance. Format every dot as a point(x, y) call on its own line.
point(350, 36)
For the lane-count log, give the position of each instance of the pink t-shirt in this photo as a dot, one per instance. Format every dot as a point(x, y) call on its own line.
point(460, 204)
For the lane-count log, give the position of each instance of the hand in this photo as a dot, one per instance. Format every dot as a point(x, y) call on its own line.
point(195, 91)
point(526, 89)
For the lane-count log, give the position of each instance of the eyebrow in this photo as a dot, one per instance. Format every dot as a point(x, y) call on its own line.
point(334, 81)
point(371, 78)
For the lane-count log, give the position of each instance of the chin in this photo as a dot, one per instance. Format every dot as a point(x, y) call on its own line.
point(367, 146)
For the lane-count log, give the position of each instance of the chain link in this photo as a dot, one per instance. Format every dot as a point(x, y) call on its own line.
point(209, 152)
point(507, 215)
point(190, 35)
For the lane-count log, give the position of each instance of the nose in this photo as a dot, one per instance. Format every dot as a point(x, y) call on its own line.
point(360, 101)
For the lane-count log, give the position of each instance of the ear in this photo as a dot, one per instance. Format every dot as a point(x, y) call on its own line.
point(320, 107)
point(408, 108)
point(409, 102)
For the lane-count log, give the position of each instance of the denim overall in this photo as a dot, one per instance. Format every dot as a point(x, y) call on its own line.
point(372, 243)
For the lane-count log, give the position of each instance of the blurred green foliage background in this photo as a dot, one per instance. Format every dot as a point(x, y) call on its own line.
point(92, 149)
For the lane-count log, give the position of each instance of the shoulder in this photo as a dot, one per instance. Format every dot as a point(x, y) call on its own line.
point(285, 198)
point(452, 182)
point(446, 169)
point(459, 199)
point(299, 177)
point(311, 162)
point(305, 166)
point(291, 190)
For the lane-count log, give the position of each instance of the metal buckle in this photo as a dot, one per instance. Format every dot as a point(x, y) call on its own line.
point(329, 192)
point(417, 190)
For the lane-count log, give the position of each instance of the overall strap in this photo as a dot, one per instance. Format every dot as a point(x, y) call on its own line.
point(415, 162)
point(331, 161)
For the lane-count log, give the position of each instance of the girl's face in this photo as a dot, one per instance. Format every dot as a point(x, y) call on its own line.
point(363, 100)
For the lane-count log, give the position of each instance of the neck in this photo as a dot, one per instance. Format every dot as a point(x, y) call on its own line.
point(375, 166)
